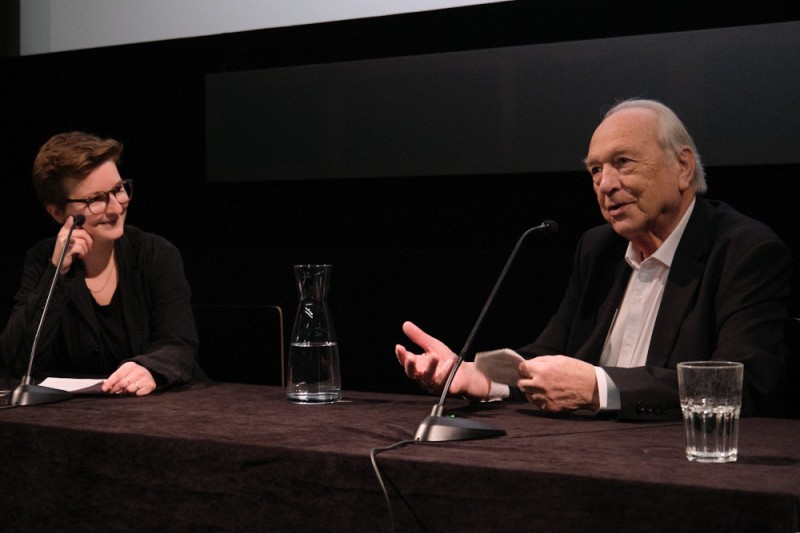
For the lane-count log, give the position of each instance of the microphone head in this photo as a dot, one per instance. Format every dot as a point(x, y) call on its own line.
point(549, 226)
point(78, 220)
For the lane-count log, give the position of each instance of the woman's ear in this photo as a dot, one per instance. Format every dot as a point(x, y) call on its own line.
point(57, 213)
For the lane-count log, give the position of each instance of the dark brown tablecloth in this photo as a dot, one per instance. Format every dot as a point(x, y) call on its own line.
point(225, 457)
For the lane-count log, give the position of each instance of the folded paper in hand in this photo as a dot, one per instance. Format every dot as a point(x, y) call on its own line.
point(501, 366)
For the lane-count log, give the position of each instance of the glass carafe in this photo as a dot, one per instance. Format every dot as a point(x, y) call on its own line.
point(313, 369)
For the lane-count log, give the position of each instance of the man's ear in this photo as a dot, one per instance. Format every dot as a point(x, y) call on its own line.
point(57, 213)
point(686, 162)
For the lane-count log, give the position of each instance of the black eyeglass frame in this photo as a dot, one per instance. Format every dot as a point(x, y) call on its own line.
point(124, 185)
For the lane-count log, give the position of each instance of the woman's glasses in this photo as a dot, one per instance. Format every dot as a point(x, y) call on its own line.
point(98, 202)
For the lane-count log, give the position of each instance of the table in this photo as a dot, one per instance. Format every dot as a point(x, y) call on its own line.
point(230, 457)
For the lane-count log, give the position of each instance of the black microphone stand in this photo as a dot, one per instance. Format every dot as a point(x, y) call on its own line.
point(437, 426)
point(27, 393)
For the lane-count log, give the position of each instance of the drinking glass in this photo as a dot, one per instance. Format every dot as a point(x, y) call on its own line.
point(711, 399)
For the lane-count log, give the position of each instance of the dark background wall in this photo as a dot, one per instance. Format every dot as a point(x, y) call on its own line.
point(424, 248)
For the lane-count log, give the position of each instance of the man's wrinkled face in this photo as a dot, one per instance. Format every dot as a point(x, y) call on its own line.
point(639, 186)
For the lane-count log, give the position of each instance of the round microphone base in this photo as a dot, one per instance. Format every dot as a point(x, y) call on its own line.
point(436, 428)
point(36, 395)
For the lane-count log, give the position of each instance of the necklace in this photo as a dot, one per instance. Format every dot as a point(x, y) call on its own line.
point(111, 270)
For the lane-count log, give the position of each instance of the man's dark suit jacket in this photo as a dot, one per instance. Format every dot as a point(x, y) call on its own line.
point(725, 299)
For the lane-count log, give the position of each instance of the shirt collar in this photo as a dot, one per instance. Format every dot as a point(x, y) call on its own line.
point(666, 252)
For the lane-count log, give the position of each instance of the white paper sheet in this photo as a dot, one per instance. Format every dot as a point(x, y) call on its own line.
point(70, 384)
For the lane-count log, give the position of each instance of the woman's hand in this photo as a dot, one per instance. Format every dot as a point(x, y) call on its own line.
point(130, 378)
point(80, 244)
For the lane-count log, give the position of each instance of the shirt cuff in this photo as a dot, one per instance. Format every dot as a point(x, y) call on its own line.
point(499, 391)
point(607, 390)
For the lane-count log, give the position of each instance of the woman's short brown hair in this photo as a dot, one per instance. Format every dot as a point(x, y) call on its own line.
point(69, 155)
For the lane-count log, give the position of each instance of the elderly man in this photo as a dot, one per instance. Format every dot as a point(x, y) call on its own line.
point(672, 277)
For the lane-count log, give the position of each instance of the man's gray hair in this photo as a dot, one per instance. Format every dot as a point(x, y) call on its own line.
point(672, 134)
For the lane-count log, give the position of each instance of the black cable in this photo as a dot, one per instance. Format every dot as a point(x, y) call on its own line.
point(372, 455)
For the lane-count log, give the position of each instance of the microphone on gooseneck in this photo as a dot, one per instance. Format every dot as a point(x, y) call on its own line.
point(27, 393)
point(437, 427)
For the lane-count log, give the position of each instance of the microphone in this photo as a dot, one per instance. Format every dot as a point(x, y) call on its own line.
point(27, 393)
point(436, 426)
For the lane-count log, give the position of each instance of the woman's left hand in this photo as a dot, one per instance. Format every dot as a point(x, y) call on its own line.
point(130, 378)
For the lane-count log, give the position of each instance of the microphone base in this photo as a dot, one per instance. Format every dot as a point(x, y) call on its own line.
point(27, 394)
point(438, 428)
